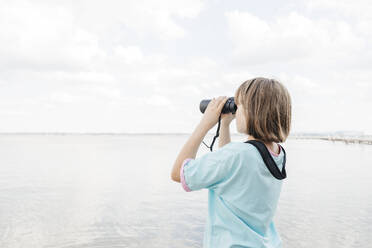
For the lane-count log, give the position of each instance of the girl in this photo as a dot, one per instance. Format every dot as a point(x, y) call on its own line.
point(242, 193)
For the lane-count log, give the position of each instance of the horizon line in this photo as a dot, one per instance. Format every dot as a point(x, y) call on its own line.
point(162, 133)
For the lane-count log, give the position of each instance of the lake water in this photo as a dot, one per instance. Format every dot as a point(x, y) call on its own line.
point(116, 191)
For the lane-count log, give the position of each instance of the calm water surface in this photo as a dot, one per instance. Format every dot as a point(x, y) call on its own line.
point(116, 191)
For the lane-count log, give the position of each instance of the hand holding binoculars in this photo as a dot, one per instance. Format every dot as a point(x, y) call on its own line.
point(229, 107)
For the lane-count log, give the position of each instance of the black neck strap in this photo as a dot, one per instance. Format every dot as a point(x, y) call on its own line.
point(269, 161)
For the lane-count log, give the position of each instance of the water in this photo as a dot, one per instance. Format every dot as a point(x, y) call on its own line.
point(116, 191)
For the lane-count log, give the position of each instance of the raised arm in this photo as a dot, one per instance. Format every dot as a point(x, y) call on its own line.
point(190, 148)
point(225, 137)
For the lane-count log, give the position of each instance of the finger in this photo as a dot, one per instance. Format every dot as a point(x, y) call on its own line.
point(215, 100)
point(212, 103)
point(222, 102)
point(220, 98)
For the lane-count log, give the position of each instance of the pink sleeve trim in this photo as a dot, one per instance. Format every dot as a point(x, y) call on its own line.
point(274, 154)
point(182, 176)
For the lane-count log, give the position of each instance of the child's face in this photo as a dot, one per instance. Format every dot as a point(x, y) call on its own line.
point(240, 119)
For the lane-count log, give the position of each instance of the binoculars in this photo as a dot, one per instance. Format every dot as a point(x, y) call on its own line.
point(229, 106)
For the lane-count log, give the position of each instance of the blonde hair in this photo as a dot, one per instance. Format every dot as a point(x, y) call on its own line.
point(267, 108)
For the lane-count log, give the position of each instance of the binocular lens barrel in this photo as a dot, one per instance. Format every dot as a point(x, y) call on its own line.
point(229, 107)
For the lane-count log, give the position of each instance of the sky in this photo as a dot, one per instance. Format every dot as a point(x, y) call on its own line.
point(144, 66)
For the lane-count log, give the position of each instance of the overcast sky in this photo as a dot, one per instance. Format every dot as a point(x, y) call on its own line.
point(144, 66)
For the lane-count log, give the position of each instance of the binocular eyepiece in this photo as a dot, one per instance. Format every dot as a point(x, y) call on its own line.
point(229, 106)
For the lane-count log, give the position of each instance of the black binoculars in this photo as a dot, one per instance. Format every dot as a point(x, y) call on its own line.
point(229, 106)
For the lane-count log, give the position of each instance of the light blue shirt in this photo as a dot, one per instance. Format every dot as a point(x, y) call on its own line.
point(242, 195)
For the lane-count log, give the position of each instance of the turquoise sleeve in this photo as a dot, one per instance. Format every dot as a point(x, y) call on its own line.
point(207, 171)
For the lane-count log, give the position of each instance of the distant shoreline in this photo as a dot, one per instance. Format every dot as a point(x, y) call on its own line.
point(367, 140)
point(348, 140)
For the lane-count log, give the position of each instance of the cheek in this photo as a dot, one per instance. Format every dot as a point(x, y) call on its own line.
point(238, 117)
point(240, 121)
point(239, 114)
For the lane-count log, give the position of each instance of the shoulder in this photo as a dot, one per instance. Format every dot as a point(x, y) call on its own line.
point(240, 149)
point(239, 160)
point(240, 152)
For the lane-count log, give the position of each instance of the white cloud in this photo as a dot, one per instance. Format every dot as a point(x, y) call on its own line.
point(93, 65)
point(292, 37)
point(157, 100)
point(154, 17)
point(130, 54)
point(322, 55)
point(360, 9)
point(66, 35)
